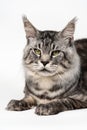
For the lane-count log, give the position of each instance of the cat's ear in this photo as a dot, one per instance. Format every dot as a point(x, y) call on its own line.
point(30, 30)
point(68, 31)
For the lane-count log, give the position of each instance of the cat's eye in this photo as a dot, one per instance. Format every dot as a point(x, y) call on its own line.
point(37, 51)
point(55, 53)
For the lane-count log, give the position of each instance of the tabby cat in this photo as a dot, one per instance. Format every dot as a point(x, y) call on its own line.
point(55, 69)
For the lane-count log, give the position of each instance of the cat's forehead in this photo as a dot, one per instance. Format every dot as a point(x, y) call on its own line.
point(47, 40)
point(47, 37)
point(50, 40)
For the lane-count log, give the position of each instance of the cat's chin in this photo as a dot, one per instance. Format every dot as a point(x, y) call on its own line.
point(46, 73)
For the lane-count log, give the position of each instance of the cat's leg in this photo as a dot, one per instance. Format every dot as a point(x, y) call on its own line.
point(20, 105)
point(60, 106)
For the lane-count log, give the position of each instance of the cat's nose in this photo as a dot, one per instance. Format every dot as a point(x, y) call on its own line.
point(44, 62)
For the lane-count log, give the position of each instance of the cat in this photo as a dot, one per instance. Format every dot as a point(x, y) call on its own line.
point(55, 67)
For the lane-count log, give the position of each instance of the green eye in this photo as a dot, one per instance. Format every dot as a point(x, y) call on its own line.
point(37, 52)
point(55, 53)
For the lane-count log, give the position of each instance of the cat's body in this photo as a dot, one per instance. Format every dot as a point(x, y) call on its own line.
point(55, 74)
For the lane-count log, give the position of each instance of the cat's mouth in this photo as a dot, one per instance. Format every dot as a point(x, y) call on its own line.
point(45, 70)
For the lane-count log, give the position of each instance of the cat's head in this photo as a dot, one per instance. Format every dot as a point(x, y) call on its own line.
point(49, 52)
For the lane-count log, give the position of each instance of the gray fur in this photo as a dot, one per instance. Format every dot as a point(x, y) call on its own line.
point(52, 70)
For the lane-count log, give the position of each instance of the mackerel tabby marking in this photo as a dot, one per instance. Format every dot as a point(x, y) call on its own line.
point(55, 71)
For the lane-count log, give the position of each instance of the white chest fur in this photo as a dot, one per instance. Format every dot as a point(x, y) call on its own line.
point(44, 83)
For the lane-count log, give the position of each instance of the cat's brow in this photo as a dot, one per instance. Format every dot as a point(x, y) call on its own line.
point(52, 46)
point(39, 45)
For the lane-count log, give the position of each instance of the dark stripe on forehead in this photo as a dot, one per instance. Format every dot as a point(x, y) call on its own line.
point(47, 37)
point(39, 45)
point(45, 34)
point(53, 47)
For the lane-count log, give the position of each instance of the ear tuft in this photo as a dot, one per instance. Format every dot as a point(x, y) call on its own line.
point(24, 17)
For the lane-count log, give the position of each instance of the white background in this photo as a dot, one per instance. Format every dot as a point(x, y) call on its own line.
point(44, 14)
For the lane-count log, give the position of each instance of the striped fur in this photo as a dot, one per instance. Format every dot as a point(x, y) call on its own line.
point(55, 71)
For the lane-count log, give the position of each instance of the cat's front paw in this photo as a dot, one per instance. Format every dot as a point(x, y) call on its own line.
point(45, 109)
point(15, 105)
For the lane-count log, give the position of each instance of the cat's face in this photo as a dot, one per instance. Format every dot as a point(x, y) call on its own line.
point(48, 52)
